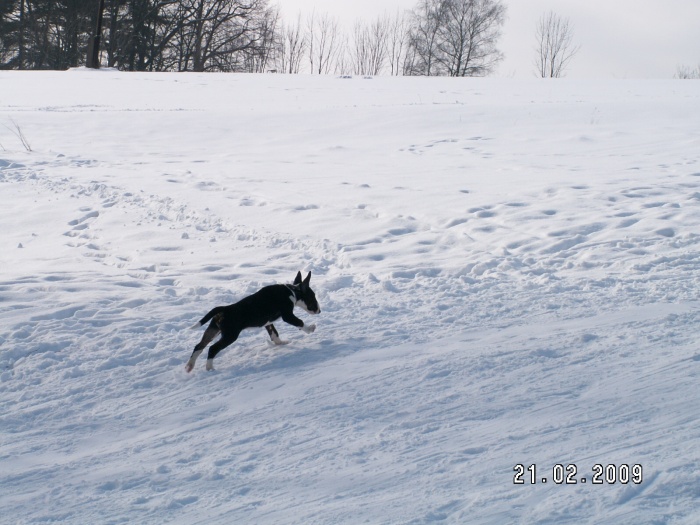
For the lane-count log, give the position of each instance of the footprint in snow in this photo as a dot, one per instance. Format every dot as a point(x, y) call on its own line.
point(666, 232)
point(81, 220)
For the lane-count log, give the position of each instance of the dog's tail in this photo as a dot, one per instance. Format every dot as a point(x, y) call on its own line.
point(207, 317)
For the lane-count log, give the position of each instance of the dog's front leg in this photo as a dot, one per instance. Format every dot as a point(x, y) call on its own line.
point(274, 335)
point(295, 321)
point(308, 328)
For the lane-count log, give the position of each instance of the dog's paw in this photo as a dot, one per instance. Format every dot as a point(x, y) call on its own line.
point(189, 367)
point(309, 329)
point(210, 365)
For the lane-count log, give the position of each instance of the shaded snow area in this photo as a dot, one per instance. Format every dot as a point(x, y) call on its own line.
point(508, 274)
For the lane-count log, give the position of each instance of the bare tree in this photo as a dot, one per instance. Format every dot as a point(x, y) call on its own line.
point(468, 36)
point(687, 73)
point(360, 48)
point(323, 42)
point(423, 37)
point(455, 37)
point(219, 33)
point(555, 47)
point(267, 46)
point(369, 48)
point(293, 47)
point(397, 39)
point(344, 61)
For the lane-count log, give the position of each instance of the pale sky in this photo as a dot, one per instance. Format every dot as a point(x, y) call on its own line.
point(618, 38)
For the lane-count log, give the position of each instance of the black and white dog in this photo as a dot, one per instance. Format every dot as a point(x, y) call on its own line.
point(260, 309)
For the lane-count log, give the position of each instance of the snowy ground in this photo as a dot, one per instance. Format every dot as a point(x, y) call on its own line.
point(508, 273)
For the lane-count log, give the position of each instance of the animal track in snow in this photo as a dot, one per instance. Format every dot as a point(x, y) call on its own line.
point(81, 220)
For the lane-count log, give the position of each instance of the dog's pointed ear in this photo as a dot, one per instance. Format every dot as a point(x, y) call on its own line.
point(307, 280)
point(297, 279)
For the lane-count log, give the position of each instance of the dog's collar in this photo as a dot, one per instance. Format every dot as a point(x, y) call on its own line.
point(293, 290)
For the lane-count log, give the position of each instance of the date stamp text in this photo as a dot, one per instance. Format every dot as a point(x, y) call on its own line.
point(570, 474)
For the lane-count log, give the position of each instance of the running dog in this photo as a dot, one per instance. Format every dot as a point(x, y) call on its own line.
point(260, 309)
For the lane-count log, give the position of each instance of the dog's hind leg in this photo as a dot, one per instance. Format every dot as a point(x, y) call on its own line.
point(226, 339)
point(209, 334)
point(274, 334)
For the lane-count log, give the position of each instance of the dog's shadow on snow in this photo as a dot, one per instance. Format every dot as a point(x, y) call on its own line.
point(242, 362)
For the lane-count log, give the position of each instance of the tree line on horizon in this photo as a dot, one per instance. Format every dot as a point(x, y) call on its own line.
point(436, 37)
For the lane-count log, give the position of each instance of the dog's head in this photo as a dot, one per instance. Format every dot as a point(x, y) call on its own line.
point(306, 298)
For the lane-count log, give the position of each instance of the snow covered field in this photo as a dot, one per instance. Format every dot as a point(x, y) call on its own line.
point(508, 274)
